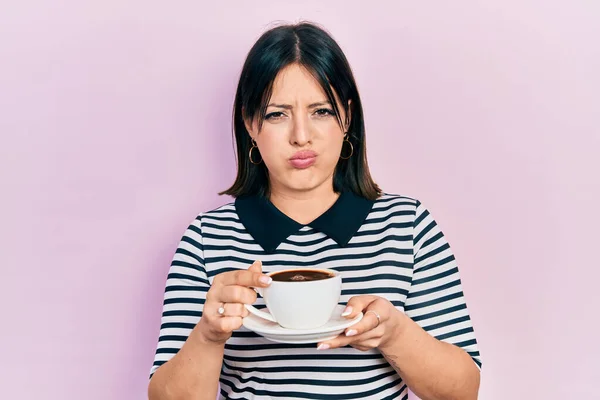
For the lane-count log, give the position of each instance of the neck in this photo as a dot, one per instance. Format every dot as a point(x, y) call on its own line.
point(304, 206)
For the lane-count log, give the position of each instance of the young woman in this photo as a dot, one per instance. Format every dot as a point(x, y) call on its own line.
point(304, 197)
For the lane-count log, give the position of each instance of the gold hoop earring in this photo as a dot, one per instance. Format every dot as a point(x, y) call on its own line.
point(254, 146)
point(346, 140)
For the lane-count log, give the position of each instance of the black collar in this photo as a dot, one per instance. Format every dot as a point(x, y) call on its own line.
point(270, 227)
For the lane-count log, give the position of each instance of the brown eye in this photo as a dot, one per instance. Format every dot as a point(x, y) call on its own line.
point(323, 112)
point(274, 115)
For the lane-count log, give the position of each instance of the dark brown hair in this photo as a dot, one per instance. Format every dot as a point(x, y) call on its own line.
point(313, 48)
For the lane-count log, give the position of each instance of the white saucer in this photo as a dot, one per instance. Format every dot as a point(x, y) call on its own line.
point(274, 332)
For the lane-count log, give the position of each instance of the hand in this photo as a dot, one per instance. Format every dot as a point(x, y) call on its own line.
point(371, 332)
point(224, 306)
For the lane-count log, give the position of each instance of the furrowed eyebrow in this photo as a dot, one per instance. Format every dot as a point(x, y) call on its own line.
point(319, 104)
point(289, 107)
point(284, 106)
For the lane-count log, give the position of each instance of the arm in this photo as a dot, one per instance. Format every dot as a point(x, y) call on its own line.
point(435, 349)
point(186, 366)
point(193, 373)
point(431, 368)
point(188, 360)
point(431, 344)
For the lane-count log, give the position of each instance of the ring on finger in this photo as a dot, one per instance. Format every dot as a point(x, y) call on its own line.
point(221, 310)
point(376, 315)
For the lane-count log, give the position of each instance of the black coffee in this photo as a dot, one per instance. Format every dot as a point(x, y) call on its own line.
point(300, 275)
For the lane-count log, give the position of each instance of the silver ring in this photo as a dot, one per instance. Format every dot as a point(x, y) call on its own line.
point(377, 315)
point(221, 310)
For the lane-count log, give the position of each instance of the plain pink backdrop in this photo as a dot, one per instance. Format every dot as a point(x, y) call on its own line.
point(115, 132)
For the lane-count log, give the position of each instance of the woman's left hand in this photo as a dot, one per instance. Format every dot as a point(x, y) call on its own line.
point(381, 321)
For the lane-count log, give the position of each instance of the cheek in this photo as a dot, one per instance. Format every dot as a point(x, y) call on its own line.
point(333, 145)
point(269, 155)
point(271, 149)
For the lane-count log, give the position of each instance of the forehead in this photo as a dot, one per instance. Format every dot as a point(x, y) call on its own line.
point(295, 82)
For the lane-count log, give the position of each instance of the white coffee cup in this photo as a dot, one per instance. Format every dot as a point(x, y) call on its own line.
point(300, 304)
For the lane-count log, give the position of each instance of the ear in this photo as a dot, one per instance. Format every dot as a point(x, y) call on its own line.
point(250, 131)
point(250, 127)
point(348, 116)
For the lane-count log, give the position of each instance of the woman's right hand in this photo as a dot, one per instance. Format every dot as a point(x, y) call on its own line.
point(229, 292)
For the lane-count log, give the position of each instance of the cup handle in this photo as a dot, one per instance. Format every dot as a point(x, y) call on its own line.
point(257, 312)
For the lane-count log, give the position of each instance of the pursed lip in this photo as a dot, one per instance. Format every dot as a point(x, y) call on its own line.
point(304, 154)
point(303, 159)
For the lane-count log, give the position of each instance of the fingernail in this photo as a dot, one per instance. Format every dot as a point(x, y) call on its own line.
point(265, 279)
point(351, 332)
point(347, 311)
point(323, 346)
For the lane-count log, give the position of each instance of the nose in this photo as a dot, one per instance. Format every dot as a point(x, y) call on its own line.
point(301, 134)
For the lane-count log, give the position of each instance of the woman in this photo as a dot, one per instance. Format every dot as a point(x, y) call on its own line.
point(304, 197)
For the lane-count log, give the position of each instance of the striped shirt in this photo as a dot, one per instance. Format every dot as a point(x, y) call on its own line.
point(390, 247)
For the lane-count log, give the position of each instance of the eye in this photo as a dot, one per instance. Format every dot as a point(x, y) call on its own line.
point(324, 112)
point(274, 115)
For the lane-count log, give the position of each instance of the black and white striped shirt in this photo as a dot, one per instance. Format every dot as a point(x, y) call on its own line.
point(391, 247)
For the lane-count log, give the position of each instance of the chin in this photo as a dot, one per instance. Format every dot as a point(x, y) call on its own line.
point(302, 180)
point(304, 185)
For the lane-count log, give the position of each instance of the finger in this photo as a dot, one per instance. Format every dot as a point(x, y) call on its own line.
point(366, 345)
point(228, 324)
point(237, 294)
point(256, 266)
point(356, 305)
point(211, 306)
point(367, 323)
point(252, 277)
point(343, 340)
point(234, 310)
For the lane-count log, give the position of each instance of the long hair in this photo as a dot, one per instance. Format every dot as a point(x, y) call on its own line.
point(314, 49)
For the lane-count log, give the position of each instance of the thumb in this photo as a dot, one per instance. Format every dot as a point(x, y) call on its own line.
point(256, 267)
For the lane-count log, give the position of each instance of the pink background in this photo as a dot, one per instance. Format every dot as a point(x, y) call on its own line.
point(115, 124)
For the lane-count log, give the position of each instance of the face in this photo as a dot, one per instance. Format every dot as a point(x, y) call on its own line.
point(300, 140)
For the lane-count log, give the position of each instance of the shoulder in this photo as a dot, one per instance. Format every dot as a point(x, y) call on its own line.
point(399, 208)
point(226, 210)
point(390, 200)
point(409, 209)
point(223, 213)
